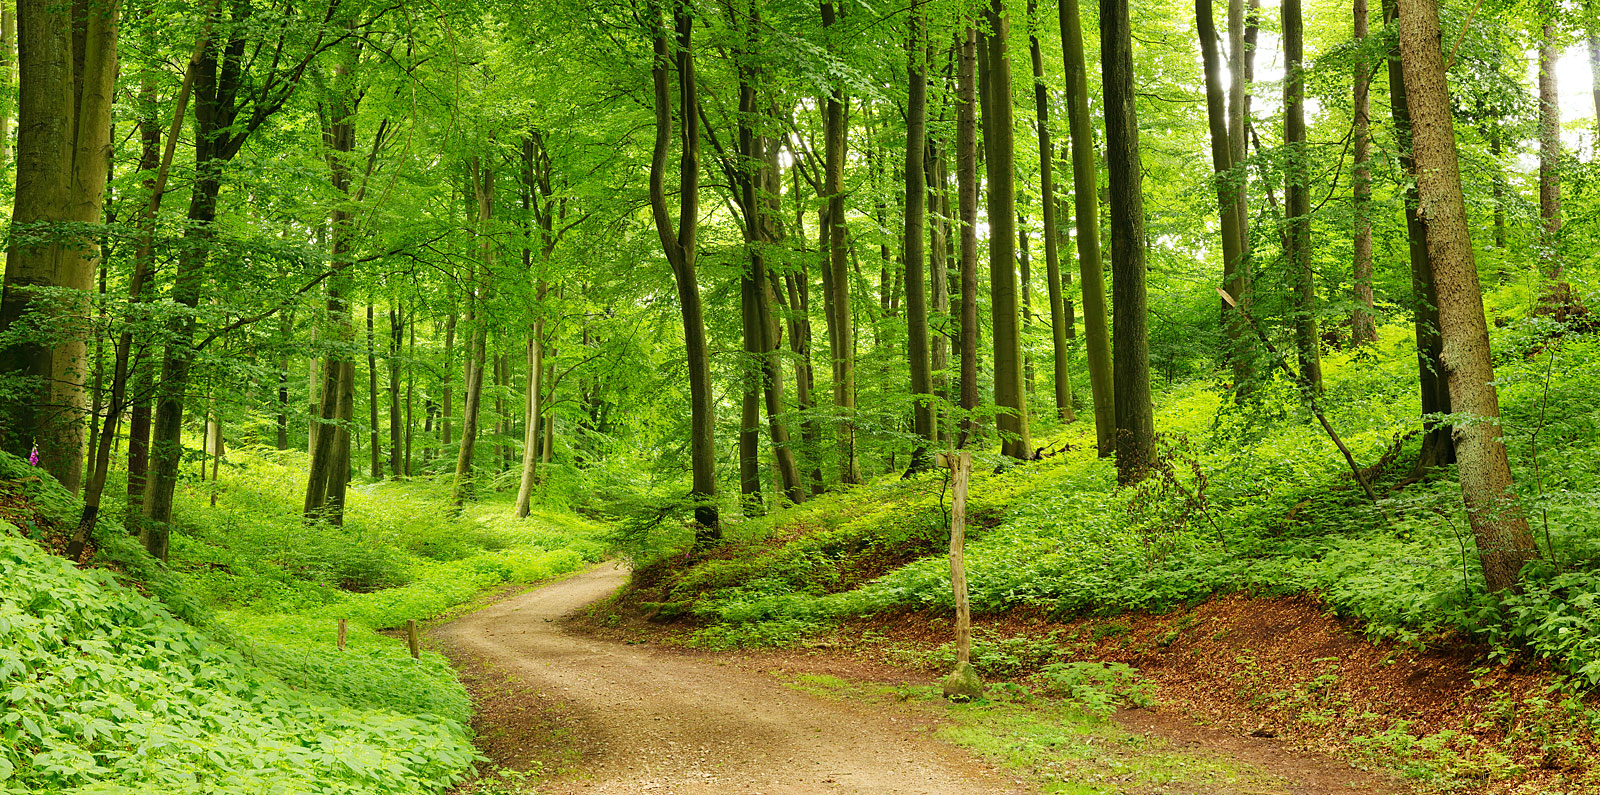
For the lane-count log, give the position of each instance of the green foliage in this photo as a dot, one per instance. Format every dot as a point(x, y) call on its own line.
point(1252, 497)
point(107, 692)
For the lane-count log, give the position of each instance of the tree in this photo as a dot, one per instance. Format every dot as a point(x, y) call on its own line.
point(67, 62)
point(1297, 198)
point(675, 49)
point(1009, 396)
point(1135, 441)
point(1060, 317)
point(1363, 328)
point(1504, 543)
point(916, 201)
point(1086, 208)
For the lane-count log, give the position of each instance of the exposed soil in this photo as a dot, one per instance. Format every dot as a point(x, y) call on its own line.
point(615, 717)
point(603, 710)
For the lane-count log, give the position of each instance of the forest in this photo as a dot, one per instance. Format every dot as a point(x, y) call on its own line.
point(1173, 374)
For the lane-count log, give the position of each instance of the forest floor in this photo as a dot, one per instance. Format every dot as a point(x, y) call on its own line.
point(581, 707)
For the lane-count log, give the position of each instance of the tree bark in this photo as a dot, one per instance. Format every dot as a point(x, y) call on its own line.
point(679, 247)
point(373, 431)
point(843, 337)
point(1504, 541)
point(1237, 276)
point(1060, 321)
point(67, 70)
point(1086, 207)
point(1297, 198)
point(1363, 328)
point(1438, 445)
point(1222, 164)
point(967, 206)
point(1549, 151)
point(1009, 396)
point(1135, 441)
point(478, 333)
point(916, 205)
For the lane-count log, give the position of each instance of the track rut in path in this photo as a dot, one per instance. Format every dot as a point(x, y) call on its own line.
point(646, 720)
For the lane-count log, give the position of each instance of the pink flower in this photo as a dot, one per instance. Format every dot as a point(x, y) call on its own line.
point(33, 457)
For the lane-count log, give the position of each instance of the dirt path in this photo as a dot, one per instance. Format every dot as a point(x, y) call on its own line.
point(646, 720)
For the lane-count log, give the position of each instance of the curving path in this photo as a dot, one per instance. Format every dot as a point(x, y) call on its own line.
point(647, 720)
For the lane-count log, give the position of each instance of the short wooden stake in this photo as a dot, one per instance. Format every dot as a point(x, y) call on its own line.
point(411, 638)
point(342, 629)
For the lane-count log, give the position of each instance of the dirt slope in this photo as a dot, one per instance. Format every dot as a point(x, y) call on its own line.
point(645, 720)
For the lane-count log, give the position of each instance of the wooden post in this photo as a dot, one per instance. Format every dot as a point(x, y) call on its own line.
point(958, 564)
point(411, 638)
point(342, 628)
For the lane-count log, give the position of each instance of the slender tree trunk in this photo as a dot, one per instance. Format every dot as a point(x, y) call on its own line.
point(472, 402)
point(372, 396)
point(967, 206)
point(1236, 276)
point(916, 202)
point(1060, 322)
point(1549, 151)
point(1592, 38)
point(939, 276)
point(396, 427)
point(1297, 198)
point(157, 162)
point(1495, 155)
point(1009, 395)
point(1086, 208)
point(1363, 328)
point(1222, 164)
point(1504, 541)
point(1438, 445)
point(680, 248)
point(446, 410)
point(844, 353)
point(1135, 443)
point(750, 396)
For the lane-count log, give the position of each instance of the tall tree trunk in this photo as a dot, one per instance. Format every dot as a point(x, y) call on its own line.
point(1438, 444)
point(916, 203)
point(1086, 208)
point(680, 249)
point(1222, 164)
point(1009, 397)
point(372, 395)
point(478, 333)
point(1297, 198)
point(1503, 540)
point(1236, 276)
point(750, 393)
point(843, 336)
point(67, 71)
point(1135, 441)
point(1060, 322)
point(1363, 328)
point(396, 428)
point(1499, 190)
point(1592, 38)
point(1549, 151)
point(156, 162)
point(446, 410)
point(967, 206)
point(939, 275)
